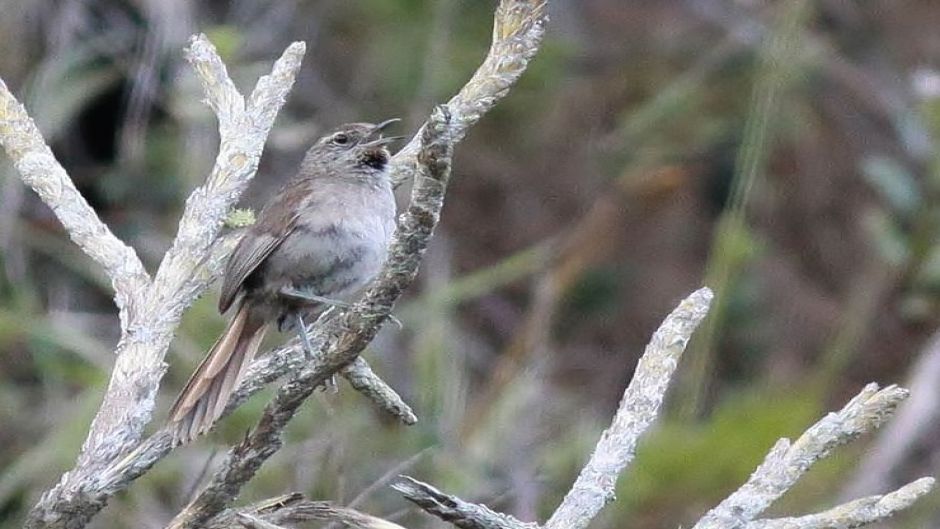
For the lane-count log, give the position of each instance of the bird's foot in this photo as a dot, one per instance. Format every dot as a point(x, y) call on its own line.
point(329, 385)
point(302, 333)
point(300, 295)
point(396, 321)
point(293, 293)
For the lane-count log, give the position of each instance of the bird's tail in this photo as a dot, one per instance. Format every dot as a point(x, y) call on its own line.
point(202, 400)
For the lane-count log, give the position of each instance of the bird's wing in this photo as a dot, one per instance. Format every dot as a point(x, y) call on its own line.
point(275, 222)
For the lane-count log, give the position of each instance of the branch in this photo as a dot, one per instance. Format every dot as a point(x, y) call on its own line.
point(518, 27)
point(781, 469)
point(294, 509)
point(243, 130)
point(854, 513)
point(365, 381)
point(787, 462)
point(339, 340)
point(192, 262)
point(39, 169)
point(594, 487)
point(454, 510)
point(901, 443)
point(638, 409)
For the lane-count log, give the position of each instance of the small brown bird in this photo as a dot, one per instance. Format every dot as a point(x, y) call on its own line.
point(321, 238)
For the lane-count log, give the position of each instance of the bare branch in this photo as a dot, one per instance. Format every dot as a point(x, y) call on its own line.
point(854, 513)
point(787, 462)
point(39, 169)
point(250, 521)
point(339, 340)
point(781, 469)
point(594, 487)
point(454, 510)
point(901, 443)
point(186, 270)
point(293, 509)
point(365, 381)
point(518, 27)
point(517, 33)
point(243, 131)
point(328, 512)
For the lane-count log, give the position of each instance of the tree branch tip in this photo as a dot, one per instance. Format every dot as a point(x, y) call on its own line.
point(886, 398)
point(705, 293)
point(407, 486)
point(199, 44)
point(251, 521)
point(699, 300)
point(919, 487)
point(298, 47)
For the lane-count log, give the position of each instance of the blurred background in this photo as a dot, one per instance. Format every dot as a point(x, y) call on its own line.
point(783, 153)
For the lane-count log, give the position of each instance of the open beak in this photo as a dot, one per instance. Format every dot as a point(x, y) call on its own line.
point(381, 126)
point(377, 129)
point(382, 141)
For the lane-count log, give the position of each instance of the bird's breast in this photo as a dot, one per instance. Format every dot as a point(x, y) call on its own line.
point(334, 249)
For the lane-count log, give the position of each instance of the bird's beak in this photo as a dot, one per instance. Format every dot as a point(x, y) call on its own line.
point(377, 129)
point(382, 141)
point(381, 126)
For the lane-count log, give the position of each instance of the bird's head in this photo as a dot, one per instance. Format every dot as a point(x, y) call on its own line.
point(354, 149)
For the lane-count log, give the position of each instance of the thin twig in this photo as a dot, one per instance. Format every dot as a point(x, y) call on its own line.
point(365, 381)
point(901, 443)
point(386, 478)
point(294, 509)
point(787, 462)
point(518, 28)
point(452, 509)
point(854, 513)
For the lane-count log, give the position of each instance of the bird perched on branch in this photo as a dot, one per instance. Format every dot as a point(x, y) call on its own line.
point(321, 238)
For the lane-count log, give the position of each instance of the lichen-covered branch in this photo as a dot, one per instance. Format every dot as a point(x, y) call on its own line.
point(39, 169)
point(339, 340)
point(365, 381)
point(594, 487)
point(639, 407)
point(854, 513)
point(781, 469)
point(452, 509)
point(243, 130)
point(186, 270)
point(294, 509)
point(787, 461)
point(288, 358)
point(899, 444)
point(518, 27)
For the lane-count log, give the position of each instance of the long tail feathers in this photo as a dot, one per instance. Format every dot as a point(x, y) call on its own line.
point(204, 398)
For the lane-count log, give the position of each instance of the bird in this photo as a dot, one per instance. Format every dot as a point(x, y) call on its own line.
point(319, 239)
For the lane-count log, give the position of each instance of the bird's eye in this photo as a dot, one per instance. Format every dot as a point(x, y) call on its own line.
point(340, 139)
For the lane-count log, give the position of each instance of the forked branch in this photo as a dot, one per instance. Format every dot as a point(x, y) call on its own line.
point(781, 469)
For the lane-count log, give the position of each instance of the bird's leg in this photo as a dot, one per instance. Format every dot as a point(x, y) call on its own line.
point(302, 332)
point(293, 293)
point(313, 298)
point(330, 384)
